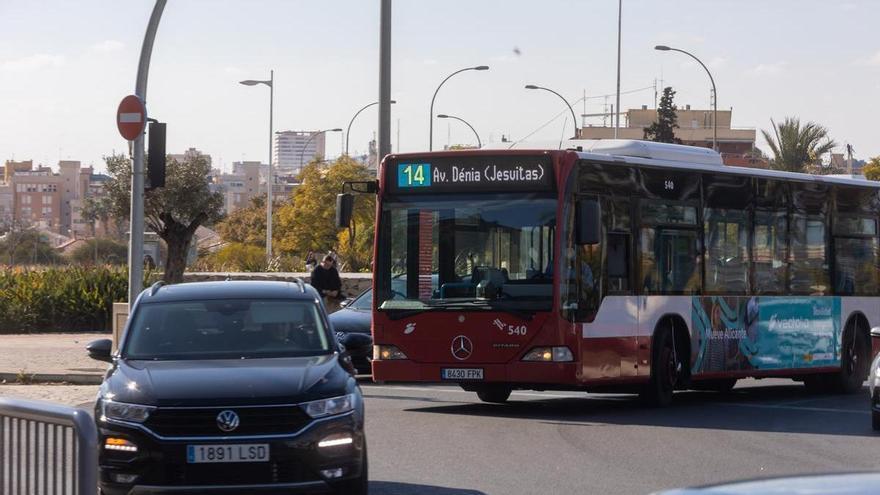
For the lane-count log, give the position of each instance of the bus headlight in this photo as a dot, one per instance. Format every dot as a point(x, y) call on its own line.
point(549, 355)
point(387, 352)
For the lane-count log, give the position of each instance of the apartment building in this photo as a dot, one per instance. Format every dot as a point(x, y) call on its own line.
point(294, 149)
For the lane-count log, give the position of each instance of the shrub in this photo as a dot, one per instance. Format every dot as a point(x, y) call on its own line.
point(108, 252)
point(60, 299)
point(235, 257)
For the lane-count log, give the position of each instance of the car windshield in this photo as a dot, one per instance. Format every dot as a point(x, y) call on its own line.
point(226, 329)
point(364, 302)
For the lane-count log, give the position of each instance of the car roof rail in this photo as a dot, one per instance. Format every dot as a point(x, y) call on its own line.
point(155, 287)
point(301, 284)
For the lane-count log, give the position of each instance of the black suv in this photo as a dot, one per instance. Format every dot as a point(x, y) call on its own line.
point(230, 387)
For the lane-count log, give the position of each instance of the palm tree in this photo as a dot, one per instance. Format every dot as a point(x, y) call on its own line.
point(794, 146)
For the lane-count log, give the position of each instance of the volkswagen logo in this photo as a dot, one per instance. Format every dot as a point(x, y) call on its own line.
point(227, 421)
point(462, 348)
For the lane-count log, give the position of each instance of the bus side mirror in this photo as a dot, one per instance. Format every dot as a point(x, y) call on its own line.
point(588, 221)
point(344, 209)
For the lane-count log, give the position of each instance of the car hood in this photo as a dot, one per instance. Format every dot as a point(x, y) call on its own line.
point(351, 320)
point(225, 381)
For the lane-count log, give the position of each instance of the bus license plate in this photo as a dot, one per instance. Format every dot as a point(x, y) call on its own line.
point(252, 452)
point(461, 373)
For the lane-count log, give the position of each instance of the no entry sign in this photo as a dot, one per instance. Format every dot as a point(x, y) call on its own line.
point(131, 117)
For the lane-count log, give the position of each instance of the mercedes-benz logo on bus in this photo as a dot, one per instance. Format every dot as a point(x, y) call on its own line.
point(462, 348)
point(227, 421)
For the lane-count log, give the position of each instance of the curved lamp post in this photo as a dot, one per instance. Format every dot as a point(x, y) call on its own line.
point(664, 48)
point(574, 122)
point(431, 125)
point(347, 129)
point(309, 140)
point(444, 116)
point(270, 179)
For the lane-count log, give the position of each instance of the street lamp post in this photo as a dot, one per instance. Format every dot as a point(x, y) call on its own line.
point(444, 116)
point(664, 48)
point(347, 129)
point(270, 180)
point(567, 104)
point(431, 125)
point(309, 140)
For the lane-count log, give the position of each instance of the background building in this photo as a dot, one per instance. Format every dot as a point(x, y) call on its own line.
point(695, 128)
point(239, 187)
point(292, 151)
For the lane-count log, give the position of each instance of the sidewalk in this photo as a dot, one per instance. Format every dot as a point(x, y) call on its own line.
point(59, 357)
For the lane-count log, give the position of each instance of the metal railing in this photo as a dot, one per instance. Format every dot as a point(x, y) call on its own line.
point(46, 449)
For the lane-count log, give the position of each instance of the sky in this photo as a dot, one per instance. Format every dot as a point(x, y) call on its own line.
point(64, 66)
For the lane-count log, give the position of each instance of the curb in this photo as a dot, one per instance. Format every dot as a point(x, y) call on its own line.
point(69, 378)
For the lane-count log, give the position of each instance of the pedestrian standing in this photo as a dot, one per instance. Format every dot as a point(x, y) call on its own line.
point(311, 261)
point(325, 279)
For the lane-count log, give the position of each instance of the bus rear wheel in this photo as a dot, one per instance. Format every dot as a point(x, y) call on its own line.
point(496, 394)
point(664, 371)
point(853, 362)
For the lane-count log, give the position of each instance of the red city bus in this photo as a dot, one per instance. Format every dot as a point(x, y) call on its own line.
point(619, 266)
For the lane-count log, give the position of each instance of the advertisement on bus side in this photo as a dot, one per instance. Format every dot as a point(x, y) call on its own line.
point(746, 333)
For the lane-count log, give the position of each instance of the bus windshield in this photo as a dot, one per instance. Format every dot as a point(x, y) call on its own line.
point(476, 250)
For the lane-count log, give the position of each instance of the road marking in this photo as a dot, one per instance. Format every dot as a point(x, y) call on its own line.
point(794, 408)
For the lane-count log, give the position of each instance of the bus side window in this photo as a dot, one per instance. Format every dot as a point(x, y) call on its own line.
point(617, 266)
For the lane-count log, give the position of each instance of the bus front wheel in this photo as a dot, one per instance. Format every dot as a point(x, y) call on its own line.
point(496, 394)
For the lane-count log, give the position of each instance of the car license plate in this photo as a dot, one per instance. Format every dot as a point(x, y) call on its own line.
point(251, 452)
point(461, 373)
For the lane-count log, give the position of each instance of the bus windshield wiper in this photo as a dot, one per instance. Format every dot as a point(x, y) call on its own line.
point(444, 305)
point(488, 304)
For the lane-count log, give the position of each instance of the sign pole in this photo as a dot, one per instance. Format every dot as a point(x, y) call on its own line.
point(384, 144)
point(136, 230)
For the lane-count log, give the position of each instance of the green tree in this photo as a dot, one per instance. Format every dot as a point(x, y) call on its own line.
point(663, 130)
point(100, 209)
point(173, 212)
point(27, 247)
point(100, 252)
point(247, 225)
point(871, 170)
point(797, 147)
point(308, 222)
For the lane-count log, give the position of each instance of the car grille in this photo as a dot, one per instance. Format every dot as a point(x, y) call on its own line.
point(200, 422)
point(239, 474)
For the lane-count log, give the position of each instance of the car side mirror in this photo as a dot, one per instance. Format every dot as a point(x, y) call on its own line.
point(588, 221)
point(100, 350)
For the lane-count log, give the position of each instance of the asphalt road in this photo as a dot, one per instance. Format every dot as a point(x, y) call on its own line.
point(440, 440)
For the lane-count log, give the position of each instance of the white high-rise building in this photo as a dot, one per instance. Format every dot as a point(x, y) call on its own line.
point(292, 151)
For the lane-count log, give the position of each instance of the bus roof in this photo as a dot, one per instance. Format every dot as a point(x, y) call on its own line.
point(651, 154)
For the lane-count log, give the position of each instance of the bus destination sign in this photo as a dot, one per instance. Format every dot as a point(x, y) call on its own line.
point(490, 174)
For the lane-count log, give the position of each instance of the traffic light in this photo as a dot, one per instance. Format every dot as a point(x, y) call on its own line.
point(156, 156)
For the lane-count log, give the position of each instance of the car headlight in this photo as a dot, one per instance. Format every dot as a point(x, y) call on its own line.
point(329, 407)
point(120, 411)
